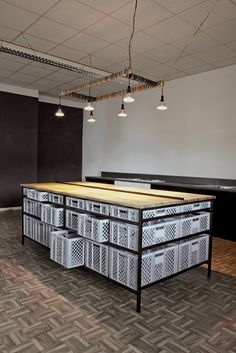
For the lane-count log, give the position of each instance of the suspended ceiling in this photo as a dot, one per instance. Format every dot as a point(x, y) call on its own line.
point(96, 33)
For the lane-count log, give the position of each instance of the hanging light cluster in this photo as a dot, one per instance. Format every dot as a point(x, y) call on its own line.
point(59, 113)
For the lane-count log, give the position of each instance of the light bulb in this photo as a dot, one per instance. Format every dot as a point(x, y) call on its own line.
point(91, 118)
point(122, 112)
point(128, 97)
point(162, 105)
point(89, 107)
point(59, 113)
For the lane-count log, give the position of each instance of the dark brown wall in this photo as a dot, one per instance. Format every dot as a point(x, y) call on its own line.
point(59, 144)
point(18, 145)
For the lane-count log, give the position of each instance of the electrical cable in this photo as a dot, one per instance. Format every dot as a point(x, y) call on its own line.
point(132, 34)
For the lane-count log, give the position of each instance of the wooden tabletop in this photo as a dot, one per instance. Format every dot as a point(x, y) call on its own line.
point(111, 195)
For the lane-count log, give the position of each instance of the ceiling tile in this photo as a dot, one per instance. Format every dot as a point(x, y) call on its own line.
point(225, 32)
point(47, 82)
point(67, 53)
point(141, 62)
point(194, 44)
point(187, 62)
point(11, 81)
point(109, 29)
point(38, 7)
point(113, 53)
point(160, 70)
point(147, 14)
point(178, 5)
point(198, 69)
point(215, 54)
point(148, 76)
point(106, 6)
point(10, 64)
point(4, 73)
point(232, 45)
point(85, 43)
point(14, 17)
point(14, 58)
point(23, 78)
point(38, 71)
point(7, 33)
point(220, 12)
point(62, 77)
point(74, 14)
point(225, 62)
point(50, 30)
point(163, 53)
point(175, 75)
point(115, 68)
point(141, 42)
point(97, 62)
point(35, 43)
point(46, 67)
point(171, 29)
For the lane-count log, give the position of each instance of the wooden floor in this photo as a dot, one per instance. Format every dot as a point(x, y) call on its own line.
point(44, 308)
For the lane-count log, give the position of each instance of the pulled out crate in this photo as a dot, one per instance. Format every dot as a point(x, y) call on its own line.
point(155, 265)
point(96, 257)
point(75, 203)
point(36, 195)
point(32, 207)
point(52, 214)
point(75, 221)
point(56, 198)
point(197, 206)
point(193, 252)
point(67, 249)
point(98, 207)
point(159, 212)
point(129, 214)
point(196, 223)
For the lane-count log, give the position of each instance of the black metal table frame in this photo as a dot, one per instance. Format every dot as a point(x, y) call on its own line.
point(140, 250)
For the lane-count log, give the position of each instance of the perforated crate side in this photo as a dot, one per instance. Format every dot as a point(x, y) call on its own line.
point(184, 255)
point(194, 252)
point(57, 216)
point(203, 248)
point(56, 198)
point(130, 214)
point(124, 234)
point(160, 232)
point(100, 229)
point(171, 260)
point(97, 207)
point(97, 257)
point(195, 206)
point(41, 196)
point(75, 203)
point(159, 212)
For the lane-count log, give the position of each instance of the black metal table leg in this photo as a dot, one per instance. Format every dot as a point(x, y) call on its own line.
point(139, 279)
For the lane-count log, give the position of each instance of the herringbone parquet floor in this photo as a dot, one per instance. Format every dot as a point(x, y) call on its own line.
point(44, 308)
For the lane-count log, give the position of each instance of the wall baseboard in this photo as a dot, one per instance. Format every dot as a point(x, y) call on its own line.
point(10, 208)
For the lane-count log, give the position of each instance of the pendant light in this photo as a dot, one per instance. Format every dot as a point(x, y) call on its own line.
point(128, 97)
point(89, 106)
point(162, 105)
point(122, 112)
point(59, 113)
point(91, 118)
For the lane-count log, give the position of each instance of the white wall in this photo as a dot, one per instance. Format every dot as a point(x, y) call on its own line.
point(196, 136)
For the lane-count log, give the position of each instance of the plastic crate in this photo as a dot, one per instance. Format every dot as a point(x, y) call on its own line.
point(56, 198)
point(159, 212)
point(96, 257)
point(53, 215)
point(161, 231)
point(97, 207)
point(37, 230)
point(155, 265)
point(32, 207)
point(66, 249)
point(193, 252)
point(75, 221)
point(75, 203)
point(129, 214)
point(195, 206)
point(124, 234)
point(37, 195)
point(96, 229)
point(194, 224)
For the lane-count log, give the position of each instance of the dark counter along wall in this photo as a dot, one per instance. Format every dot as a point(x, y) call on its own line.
point(59, 144)
point(18, 145)
point(35, 146)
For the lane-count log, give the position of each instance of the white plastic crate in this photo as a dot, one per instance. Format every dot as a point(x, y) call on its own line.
point(195, 206)
point(155, 265)
point(124, 234)
point(37, 195)
point(96, 257)
point(32, 207)
point(37, 230)
point(161, 231)
point(194, 223)
point(56, 198)
point(75, 221)
point(96, 229)
point(25, 191)
point(129, 214)
point(159, 212)
point(52, 214)
point(193, 252)
point(75, 203)
point(67, 250)
point(97, 207)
